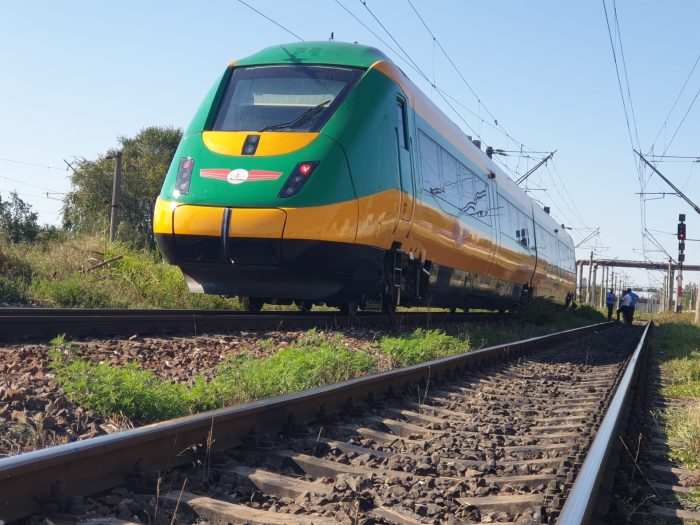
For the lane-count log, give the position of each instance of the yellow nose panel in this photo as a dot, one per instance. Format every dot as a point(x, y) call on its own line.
point(271, 142)
point(267, 223)
point(198, 220)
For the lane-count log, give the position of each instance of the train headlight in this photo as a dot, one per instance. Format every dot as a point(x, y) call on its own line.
point(300, 174)
point(184, 175)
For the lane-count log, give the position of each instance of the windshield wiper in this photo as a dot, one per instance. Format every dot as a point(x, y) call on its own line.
point(306, 115)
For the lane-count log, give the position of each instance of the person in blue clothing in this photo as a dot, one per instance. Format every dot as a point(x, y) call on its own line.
point(629, 311)
point(610, 301)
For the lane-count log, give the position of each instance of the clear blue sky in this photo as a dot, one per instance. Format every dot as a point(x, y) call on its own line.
point(78, 74)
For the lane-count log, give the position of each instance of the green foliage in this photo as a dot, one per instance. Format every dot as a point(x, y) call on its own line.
point(58, 274)
point(542, 312)
point(683, 430)
point(678, 341)
point(18, 223)
point(15, 275)
point(106, 389)
point(75, 291)
point(422, 345)
point(143, 397)
point(310, 362)
point(146, 158)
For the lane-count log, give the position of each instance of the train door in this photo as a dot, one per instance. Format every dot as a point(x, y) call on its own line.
point(404, 145)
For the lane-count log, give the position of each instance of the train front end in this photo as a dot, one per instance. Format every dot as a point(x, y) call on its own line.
point(259, 202)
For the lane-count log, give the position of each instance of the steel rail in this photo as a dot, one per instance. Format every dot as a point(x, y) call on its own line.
point(580, 503)
point(23, 323)
point(98, 464)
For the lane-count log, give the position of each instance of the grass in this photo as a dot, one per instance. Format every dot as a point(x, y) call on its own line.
point(677, 341)
point(422, 345)
point(107, 389)
point(313, 360)
point(143, 397)
point(310, 362)
point(59, 274)
point(683, 429)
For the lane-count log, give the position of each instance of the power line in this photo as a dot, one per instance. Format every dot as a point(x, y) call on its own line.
point(624, 67)
point(617, 72)
point(461, 75)
point(271, 20)
point(31, 164)
point(28, 184)
point(675, 102)
point(682, 121)
point(364, 3)
point(448, 99)
point(374, 33)
point(415, 66)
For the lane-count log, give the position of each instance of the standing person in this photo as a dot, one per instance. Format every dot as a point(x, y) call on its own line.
point(610, 301)
point(633, 304)
point(622, 308)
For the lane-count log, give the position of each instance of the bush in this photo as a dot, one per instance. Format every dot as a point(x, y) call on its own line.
point(15, 275)
point(57, 273)
point(75, 291)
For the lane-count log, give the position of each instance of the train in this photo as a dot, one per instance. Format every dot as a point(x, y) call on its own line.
point(317, 173)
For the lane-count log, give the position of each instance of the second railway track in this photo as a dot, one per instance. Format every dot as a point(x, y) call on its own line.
point(26, 323)
point(497, 435)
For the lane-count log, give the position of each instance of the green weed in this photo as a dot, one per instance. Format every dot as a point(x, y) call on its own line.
point(422, 345)
point(683, 428)
point(106, 389)
point(310, 362)
point(677, 342)
point(143, 397)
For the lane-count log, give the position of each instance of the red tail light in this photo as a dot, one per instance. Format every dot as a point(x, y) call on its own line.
point(300, 174)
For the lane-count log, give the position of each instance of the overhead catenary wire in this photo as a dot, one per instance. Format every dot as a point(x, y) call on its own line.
point(17, 181)
point(25, 163)
point(388, 46)
point(692, 103)
point(462, 77)
point(675, 102)
point(272, 20)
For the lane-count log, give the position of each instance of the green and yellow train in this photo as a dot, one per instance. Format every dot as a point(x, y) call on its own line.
point(317, 173)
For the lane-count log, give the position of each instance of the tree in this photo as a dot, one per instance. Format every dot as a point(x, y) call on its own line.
point(146, 158)
point(18, 223)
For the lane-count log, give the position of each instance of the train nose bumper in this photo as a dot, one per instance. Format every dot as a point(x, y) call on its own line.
point(213, 234)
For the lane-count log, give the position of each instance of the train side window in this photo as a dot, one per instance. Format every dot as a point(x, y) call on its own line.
point(401, 120)
point(430, 165)
point(524, 237)
point(481, 199)
point(450, 178)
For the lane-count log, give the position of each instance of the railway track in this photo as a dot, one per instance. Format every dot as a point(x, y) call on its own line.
point(496, 435)
point(24, 323)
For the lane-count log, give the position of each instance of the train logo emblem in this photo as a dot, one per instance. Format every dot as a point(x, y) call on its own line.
point(237, 176)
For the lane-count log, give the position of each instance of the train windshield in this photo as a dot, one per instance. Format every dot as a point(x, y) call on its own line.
point(283, 98)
